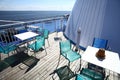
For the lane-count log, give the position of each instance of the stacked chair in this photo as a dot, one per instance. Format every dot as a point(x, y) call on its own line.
point(8, 41)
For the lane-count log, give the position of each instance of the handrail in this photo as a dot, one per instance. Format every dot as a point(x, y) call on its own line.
point(31, 22)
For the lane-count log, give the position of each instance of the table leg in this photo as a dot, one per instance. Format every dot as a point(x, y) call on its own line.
point(106, 78)
point(118, 76)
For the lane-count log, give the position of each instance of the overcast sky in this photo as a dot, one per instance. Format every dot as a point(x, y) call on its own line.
point(56, 5)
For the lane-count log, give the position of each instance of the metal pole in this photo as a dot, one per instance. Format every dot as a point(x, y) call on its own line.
point(78, 39)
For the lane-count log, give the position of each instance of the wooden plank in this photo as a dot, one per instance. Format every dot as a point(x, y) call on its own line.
point(46, 65)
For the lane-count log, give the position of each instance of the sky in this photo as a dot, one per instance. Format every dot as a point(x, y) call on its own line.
point(51, 5)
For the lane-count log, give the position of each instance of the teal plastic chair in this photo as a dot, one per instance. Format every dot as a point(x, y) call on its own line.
point(44, 33)
point(68, 53)
point(64, 73)
point(40, 31)
point(100, 43)
point(38, 44)
point(7, 48)
point(90, 74)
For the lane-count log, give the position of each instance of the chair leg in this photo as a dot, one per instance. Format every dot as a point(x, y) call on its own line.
point(48, 42)
point(8, 55)
point(56, 68)
point(79, 50)
point(45, 50)
point(0, 56)
point(69, 64)
point(69, 67)
point(35, 54)
point(58, 61)
point(53, 76)
point(80, 65)
point(13, 52)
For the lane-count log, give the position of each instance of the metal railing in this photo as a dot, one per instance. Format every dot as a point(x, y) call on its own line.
point(8, 31)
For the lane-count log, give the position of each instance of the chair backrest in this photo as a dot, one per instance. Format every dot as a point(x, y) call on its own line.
point(65, 46)
point(40, 31)
point(39, 43)
point(100, 43)
point(39, 37)
point(46, 33)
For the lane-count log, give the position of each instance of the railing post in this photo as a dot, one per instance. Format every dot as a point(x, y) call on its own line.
point(26, 26)
point(61, 24)
point(4, 37)
point(1, 36)
point(56, 28)
point(42, 25)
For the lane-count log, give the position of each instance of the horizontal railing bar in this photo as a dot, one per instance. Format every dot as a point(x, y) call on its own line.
point(30, 22)
point(9, 21)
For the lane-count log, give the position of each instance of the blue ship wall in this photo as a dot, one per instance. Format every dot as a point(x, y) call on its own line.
point(111, 27)
point(95, 18)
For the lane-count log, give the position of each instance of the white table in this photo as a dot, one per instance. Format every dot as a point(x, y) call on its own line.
point(111, 61)
point(26, 35)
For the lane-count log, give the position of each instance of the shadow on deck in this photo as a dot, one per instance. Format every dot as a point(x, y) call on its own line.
point(41, 66)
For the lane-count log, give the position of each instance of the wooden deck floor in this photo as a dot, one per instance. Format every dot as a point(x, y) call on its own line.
point(46, 65)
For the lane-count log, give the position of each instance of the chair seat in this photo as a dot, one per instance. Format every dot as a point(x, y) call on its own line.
point(71, 55)
point(65, 46)
point(35, 46)
point(82, 77)
point(64, 73)
point(93, 74)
